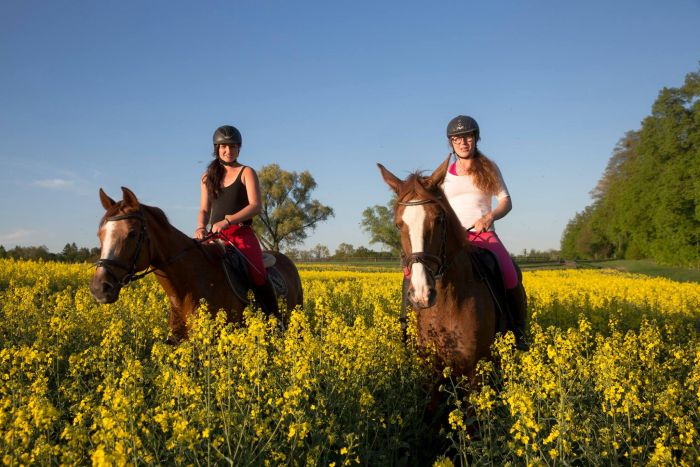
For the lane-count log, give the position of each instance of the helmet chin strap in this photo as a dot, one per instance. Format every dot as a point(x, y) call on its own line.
point(227, 164)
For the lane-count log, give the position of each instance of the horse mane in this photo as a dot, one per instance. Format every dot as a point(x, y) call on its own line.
point(158, 213)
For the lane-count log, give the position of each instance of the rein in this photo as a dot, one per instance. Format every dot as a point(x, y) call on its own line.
point(131, 274)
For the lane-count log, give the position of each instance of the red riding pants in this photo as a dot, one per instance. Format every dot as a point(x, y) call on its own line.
point(243, 238)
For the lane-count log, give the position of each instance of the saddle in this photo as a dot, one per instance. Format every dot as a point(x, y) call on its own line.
point(488, 270)
point(236, 270)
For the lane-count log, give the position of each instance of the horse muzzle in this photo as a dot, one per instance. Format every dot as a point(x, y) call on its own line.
point(104, 290)
point(427, 299)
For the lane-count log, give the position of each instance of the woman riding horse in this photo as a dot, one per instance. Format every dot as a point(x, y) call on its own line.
point(230, 198)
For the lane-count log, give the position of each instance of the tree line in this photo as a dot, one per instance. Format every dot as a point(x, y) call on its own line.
point(645, 204)
point(344, 251)
point(71, 253)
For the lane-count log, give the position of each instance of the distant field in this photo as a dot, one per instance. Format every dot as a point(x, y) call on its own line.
point(645, 267)
point(648, 268)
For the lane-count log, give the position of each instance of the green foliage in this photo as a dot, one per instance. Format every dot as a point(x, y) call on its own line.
point(646, 204)
point(378, 221)
point(288, 212)
point(70, 253)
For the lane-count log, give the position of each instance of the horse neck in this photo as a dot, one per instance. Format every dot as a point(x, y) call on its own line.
point(166, 241)
point(458, 249)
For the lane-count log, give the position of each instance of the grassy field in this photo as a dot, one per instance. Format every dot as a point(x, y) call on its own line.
point(648, 268)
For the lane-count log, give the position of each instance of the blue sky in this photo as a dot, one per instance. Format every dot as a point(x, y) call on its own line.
point(128, 93)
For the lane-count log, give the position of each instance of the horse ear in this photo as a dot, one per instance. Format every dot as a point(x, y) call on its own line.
point(106, 201)
point(439, 175)
point(392, 180)
point(129, 197)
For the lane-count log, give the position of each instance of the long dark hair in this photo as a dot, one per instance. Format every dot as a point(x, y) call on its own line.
point(214, 174)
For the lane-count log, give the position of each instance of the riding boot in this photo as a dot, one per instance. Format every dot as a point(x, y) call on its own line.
point(517, 305)
point(266, 299)
point(405, 306)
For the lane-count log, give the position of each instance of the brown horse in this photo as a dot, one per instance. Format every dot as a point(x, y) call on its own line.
point(134, 237)
point(456, 314)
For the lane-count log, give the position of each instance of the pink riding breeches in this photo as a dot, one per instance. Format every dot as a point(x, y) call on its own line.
point(491, 242)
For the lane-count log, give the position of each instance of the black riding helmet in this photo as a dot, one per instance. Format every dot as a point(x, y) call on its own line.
point(227, 134)
point(461, 125)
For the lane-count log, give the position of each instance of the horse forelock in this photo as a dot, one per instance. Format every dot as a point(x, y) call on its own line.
point(117, 209)
point(414, 188)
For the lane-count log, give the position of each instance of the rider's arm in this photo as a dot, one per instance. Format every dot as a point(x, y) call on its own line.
point(502, 208)
point(203, 214)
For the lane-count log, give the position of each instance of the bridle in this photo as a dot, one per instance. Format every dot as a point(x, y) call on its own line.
point(436, 265)
point(108, 264)
point(131, 274)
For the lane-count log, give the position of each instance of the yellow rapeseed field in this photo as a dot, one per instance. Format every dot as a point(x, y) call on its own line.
point(613, 377)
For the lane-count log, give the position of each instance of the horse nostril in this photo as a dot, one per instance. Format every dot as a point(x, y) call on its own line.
point(106, 287)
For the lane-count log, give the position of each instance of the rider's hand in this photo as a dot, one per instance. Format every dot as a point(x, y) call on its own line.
point(200, 233)
point(219, 226)
point(483, 224)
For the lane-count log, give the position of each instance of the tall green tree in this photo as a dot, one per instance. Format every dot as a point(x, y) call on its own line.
point(379, 222)
point(288, 212)
point(647, 203)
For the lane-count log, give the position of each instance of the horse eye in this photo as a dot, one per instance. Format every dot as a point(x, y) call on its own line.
point(131, 234)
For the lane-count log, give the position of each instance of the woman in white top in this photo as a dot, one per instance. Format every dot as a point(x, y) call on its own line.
point(470, 185)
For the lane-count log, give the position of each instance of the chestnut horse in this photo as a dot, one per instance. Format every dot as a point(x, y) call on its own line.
point(456, 314)
point(134, 237)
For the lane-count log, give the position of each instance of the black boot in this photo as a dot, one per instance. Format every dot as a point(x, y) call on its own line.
point(517, 305)
point(266, 299)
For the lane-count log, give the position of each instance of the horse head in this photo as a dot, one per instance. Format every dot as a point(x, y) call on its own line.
point(422, 215)
point(122, 234)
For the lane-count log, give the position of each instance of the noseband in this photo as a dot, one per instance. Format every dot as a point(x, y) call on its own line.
point(130, 275)
point(436, 265)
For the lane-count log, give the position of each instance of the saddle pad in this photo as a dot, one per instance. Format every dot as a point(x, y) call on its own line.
point(236, 273)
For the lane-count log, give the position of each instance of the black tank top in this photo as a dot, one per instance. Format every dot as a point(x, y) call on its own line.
point(231, 199)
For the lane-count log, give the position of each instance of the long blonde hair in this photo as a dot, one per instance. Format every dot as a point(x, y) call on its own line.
point(485, 173)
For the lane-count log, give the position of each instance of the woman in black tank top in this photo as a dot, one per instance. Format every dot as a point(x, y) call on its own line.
point(230, 192)
point(230, 198)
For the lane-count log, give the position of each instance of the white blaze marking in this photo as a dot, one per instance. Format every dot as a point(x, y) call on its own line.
point(414, 218)
point(108, 245)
